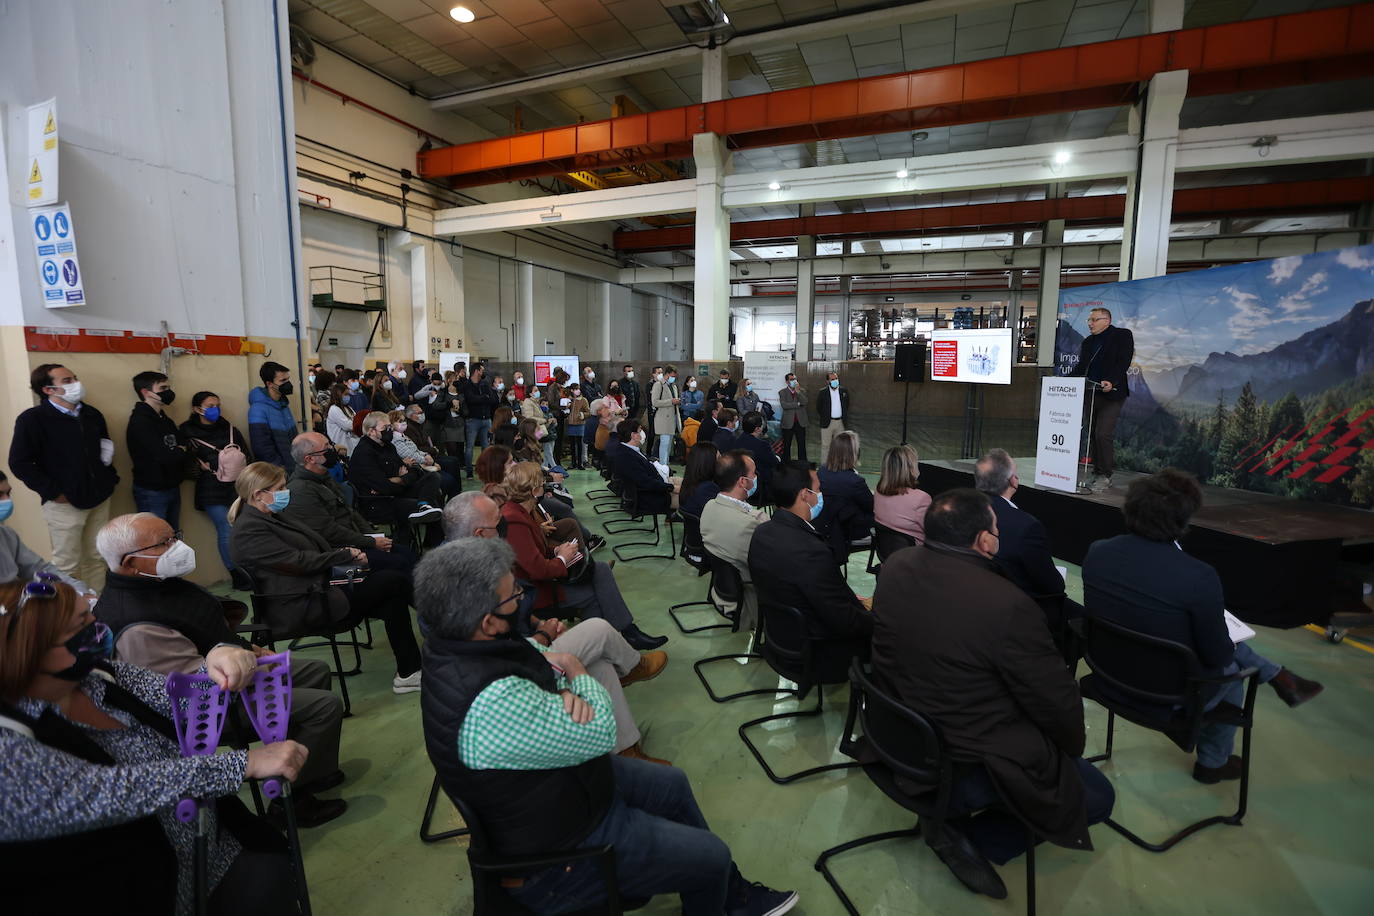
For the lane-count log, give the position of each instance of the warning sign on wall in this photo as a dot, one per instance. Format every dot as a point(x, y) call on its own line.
point(42, 171)
point(54, 246)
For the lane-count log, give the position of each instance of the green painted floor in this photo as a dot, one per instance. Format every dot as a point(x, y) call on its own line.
point(1306, 845)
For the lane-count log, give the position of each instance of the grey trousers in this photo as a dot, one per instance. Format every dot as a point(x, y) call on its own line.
point(316, 718)
point(607, 657)
point(600, 597)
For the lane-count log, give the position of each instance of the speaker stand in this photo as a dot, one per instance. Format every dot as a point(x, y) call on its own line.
point(906, 399)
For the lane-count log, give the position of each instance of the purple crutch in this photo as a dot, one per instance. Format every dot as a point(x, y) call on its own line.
point(267, 699)
point(199, 706)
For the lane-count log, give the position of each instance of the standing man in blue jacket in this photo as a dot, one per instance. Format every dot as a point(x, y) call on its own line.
point(63, 452)
point(271, 427)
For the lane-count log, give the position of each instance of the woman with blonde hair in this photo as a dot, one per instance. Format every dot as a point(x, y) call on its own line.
point(291, 564)
point(899, 505)
point(546, 568)
point(847, 519)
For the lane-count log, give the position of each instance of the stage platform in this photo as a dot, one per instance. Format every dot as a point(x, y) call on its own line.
point(1279, 559)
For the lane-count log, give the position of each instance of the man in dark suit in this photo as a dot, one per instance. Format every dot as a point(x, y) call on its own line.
point(1145, 581)
point(791, 565)
point(725, 437)
point(1104, 358)
point(724, 390)
point(751, 439)
point(628, 462)
point(792, 400)
point(958, 642)
point(707, 431)
point(1023, 551)
point(832, 409)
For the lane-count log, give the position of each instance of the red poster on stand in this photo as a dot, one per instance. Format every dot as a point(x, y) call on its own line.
point(542, 370)
point(944, 359)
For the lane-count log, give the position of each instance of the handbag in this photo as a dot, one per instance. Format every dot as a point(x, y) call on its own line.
point(231, 460)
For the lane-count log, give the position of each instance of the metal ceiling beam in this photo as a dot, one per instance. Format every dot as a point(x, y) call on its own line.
point(741, 44)
point(1269, 198)
point(1310, 47)
point(566, 209)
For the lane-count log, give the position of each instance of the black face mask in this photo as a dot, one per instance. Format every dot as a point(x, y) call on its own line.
point(388, 435)
point(331, 457)
point(93, 644)
point(167, 396)
point(286, 388)
point(501, 528)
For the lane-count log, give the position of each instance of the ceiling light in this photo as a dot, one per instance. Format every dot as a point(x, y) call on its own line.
point(902, 173)
point(774, 186)
point(919, 136)
point(462, 14)
point(1062, 157)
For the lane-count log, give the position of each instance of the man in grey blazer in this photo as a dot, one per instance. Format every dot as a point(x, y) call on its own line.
point(728, 521)
point(792, 399)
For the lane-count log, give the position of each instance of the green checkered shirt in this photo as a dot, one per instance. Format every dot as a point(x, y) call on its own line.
point(514, 724)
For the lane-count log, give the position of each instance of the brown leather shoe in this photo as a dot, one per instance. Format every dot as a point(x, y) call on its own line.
point(635, 752)
point(1231, 769)
point(651, 664)
point(1294, 690)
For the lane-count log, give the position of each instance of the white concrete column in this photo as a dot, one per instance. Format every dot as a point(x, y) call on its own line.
point(1150, 195)
point(524, 312)
point(418, 250)
point(1165, 15)
point(1051, 261)
point(711, 321)
point(806, 290)
point(715, 74)
point(601, 316)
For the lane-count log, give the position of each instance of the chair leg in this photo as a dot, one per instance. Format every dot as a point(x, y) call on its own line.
point(626, 525)
point(672, 611)
point(801, 774)
point(1030, 873)
point(696, 666)
point(823, 861)
point(658, 539)
point(425, 822)
point(1111, 731)
point(341, 676)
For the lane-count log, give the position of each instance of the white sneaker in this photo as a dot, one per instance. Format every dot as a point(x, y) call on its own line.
point(425, 513)
point(408, 684)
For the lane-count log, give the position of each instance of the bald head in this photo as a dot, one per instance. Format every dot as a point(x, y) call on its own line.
point(308, 450)
point(473, 514)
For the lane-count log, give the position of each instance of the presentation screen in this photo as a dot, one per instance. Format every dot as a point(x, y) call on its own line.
point(544, 366)
point(981, 355)
point(767, 372)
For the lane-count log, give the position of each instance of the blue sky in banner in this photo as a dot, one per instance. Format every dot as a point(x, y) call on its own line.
point(1241, 308)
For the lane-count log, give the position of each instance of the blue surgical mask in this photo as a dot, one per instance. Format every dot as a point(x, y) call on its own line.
point(672, 379)
point(748, 387)
point(353, 385)
point(834, 383)
point(753, 486)
point(6, 509)
point(212, 414)
point(280, 500)
point(820, 504)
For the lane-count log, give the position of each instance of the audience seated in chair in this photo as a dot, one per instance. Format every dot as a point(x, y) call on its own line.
point(628, 462)
point(753, 439)
point(792, 566)
point(603, 652)
point(955, 640)
point(90, 772)
point(292, 564)
point(1023, 546)
point(163, 622)
point(376, 469)
point(1145, 581)
point(727, 431)
point(528, 747)
point(699, 479)
point(492, 465)
point(729, 522)
point(546, 567)
point(899, 504)
point(847, 519)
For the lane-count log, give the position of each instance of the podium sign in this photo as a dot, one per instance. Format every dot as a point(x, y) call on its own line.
point(1061, 427)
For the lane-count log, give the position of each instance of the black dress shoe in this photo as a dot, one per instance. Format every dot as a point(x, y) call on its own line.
point(310, 811)
point(638, 639)
point(1231, 769)
point(1294, 690)
point(324, 783)
point(596, 542)
point(969, 865)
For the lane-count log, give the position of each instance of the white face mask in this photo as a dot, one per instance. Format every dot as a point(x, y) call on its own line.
point(400, 374)
point(178, 560)
point(387, 384)
point(630, 374)
point(692, 384)
point(591, 376)
point(519, 380)
point(73, 393)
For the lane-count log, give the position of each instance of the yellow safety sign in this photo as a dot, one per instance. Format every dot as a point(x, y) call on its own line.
point(35, 176)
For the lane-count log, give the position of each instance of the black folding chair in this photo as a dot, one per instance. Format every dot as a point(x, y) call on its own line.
point(700, 559)
point(906, 752)
point(730, 582)
point(885, 543)
point(426, 834)
point(1158, 684)
point(787, 649)
point(637, 512)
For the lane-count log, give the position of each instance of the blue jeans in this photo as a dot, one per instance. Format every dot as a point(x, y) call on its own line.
point(219, 515)
point(165, 504)
point(977, 810)
point(1216, 740)
point(662, 846)
point(479, 434)
point(665, 448)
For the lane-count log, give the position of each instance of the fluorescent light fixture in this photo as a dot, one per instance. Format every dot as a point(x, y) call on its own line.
point(774, 186)
point(902, 173)
point(462, 14)
point(1062, 157)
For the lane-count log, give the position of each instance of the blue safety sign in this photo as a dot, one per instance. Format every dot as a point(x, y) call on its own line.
point(42, 229)
point(54, 248)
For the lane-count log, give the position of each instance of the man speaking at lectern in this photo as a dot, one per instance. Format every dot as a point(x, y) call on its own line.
point(1105, 356)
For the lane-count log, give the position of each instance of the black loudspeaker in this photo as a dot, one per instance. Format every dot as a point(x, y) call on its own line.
point(909, 362)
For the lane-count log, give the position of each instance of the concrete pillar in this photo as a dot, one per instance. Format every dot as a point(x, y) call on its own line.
point(1051, 261)
point(1165, 15)
point(806, 290)
point(418, 249)
point(524, 312)
point(1150, 192)
point(711, 321)
point(601, 317)
point(715, 74)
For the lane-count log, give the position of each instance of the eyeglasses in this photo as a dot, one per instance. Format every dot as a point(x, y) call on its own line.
point(165, 542)
point(44, 585)
point(519, 593)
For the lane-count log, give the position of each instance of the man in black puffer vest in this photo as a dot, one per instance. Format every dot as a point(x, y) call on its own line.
point(524, 738)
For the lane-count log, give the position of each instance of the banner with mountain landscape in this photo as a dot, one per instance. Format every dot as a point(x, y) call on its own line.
point(1258, 375)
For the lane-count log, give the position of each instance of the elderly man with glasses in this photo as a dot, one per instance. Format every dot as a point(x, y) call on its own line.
point(162, 621)
point(1104, 359)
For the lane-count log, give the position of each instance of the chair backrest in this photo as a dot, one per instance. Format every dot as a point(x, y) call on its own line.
point(887, 541)
point(904, 740)
point(691, 532)
point(1145, 669)
point(786, 643)
point(726, 580)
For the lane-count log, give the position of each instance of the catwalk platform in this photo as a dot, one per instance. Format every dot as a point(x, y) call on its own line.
point(1279, 559)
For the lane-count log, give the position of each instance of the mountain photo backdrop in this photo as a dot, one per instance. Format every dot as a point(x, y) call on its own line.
point(1258, 375)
